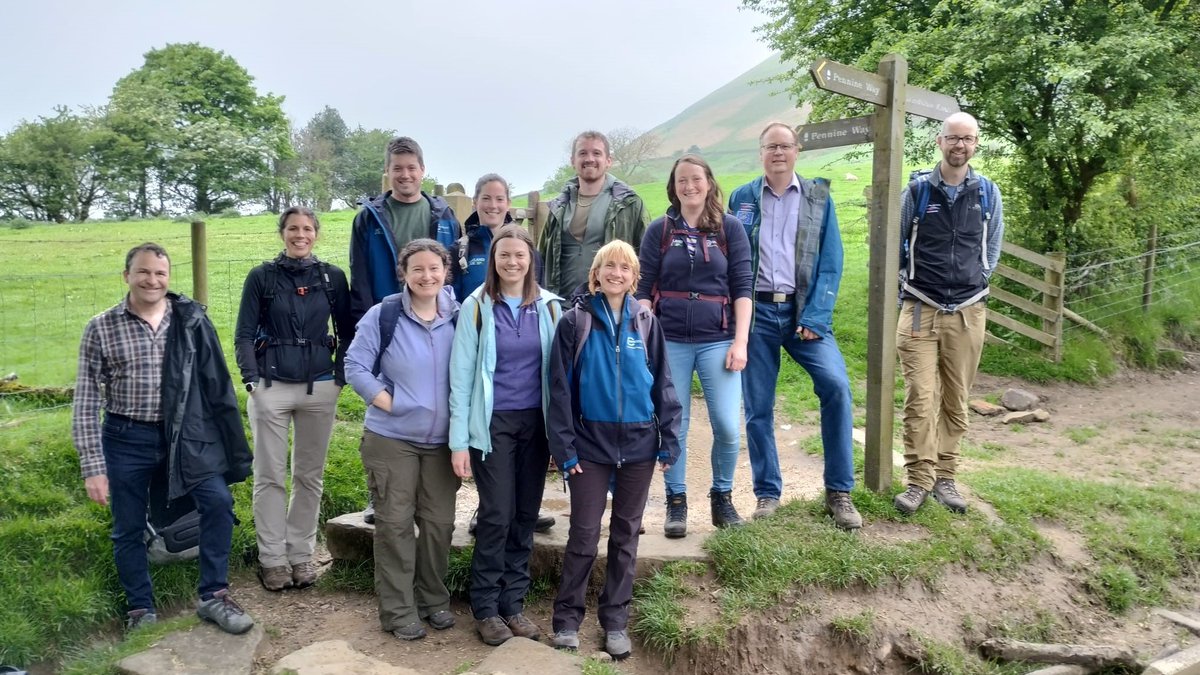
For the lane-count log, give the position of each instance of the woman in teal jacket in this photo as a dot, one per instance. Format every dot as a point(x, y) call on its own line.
point(498, 402)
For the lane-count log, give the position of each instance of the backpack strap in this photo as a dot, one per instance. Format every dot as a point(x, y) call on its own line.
point(389, 314)
point(583, 328)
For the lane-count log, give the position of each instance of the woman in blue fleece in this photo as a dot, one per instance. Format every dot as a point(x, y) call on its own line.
point(498, 399)
point(406, 385)
point(615, 416)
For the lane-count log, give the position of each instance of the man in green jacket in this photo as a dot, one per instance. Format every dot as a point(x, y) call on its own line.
point(593, 209)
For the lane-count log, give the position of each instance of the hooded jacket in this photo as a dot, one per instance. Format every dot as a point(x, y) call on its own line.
point(470, 256)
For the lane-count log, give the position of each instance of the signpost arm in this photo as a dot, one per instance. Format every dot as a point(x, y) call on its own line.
point(883, 270)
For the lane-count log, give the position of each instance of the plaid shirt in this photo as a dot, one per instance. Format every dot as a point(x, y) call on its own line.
point(120, 368)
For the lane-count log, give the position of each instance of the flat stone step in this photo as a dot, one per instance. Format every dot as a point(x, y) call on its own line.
point(200, 650)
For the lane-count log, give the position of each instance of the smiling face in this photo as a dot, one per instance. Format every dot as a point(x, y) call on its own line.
point(590, 159)
point(964, 131)
point(512, 259)
point(148, 277)
point(614, 271)
point(778, 151)
point(691, 186)
point(492, 204)
point(405, 172)
point(299, 233)
point(424, 274)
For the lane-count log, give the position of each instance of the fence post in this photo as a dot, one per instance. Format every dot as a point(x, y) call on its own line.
point(199, 263)
point(1055, 302)
point(532, 207)
point(1148, 272)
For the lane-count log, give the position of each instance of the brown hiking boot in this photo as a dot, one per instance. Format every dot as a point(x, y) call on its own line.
point(275, 578)
point(767, 506)
point(910, 500)
point(521, 626)
point(492, 631)
point(946, 494)
point(304, 574)
point(838, 505)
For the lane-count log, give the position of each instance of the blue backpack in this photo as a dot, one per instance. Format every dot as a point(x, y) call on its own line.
point(919, 188)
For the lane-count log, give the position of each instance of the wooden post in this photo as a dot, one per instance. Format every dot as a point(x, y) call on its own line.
point(199, 263)
point(1054, 303)
point(884, 267)
point(1148, 271)
point(532, 205)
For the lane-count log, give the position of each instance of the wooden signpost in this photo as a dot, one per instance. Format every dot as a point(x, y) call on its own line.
point(888, 89)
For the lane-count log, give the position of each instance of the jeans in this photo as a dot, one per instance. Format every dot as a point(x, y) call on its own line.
point(723, 393)
point(775, 327)
point(134, 452)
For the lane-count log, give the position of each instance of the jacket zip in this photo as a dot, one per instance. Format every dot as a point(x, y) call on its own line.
point(615, 331)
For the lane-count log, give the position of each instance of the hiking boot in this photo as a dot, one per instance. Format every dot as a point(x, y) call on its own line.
point(910, 500)
point(139, 618)
point(838, 505)
point(617, 644)
point(369, 512)
point(946, 494)
point(412, 631)
point(521, 626)
point(566, 639)
point(441, 620)
point(676, 525)
point(473, 522)
point(544, 523)
point(723, 513)
point(492, 631)
point(767, 506)
point(223, 611)
point(275, 578)
point(304, 574)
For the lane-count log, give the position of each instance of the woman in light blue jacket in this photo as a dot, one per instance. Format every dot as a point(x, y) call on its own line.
point(498, 402)
point(406, 384)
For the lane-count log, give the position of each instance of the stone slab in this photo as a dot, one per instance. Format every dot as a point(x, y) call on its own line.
point(1018, 399)
point(986, 409)
point(520, 656)
point(334, 657)
point(201, 650)
point(1186, 662)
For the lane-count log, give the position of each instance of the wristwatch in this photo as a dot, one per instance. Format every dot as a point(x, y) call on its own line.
point(250, 387)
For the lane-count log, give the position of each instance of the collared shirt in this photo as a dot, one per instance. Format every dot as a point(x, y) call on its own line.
point(120, 369)
point(777, 238)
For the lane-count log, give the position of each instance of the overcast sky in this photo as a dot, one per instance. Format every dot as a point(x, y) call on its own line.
point(482, 85)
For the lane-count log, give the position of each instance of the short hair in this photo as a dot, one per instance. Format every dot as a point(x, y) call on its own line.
point(616, 249)
point(491, 178)
point(591, 135)
point(148, 247)
point(416, 246)
point(403, 145)
point(491, 283)
point(958, 117)
point(713, 217)
point(772, 125)
point(298, 211)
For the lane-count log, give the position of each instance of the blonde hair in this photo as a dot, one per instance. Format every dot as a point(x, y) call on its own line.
point(614, 250)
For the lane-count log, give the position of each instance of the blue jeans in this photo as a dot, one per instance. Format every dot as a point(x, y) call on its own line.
point(133, 453)
point(723, 393)
point(775, 327)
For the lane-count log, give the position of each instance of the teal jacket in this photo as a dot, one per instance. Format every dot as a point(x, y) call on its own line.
point(818, 274)
point(473, 363)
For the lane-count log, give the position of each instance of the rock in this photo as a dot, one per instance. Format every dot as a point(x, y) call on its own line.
point(334, 657)
point(601, 656)
point(1040, 415)
point(1186, 662)
point(1061, 669)
point(1021, 417)
point(986, 409)
point(200, 650)
point(521, 656)
point(1018, 399)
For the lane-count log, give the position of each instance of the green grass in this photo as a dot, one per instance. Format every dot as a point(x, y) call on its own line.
point(856, 629)
point(1081, 435)
point(101, 659)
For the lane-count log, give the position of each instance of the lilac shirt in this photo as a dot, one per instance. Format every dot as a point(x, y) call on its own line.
point(777, 238)
point(517, 382)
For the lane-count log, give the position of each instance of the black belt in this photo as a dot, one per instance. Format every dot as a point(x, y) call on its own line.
point(125, 418)
point(767, 296)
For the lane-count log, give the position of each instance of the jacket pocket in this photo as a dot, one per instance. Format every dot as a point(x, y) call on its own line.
point(200, 452)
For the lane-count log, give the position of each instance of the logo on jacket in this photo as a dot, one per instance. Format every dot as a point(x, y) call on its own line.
point(745, 213)
point(933, 208)
point(634, 343)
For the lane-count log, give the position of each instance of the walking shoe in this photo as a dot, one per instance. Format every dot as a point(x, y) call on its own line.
point(441, 620)
point(223, 611)
point(473, 522)
point(544, 523)
point(946, 494)
point(275, 578)
point(617, 644)
point(566, 639)
point(838, 505)
point(139, 618)
point(767, 506)
point(492, 631)
point(521, 626)
point(676, 525)
point(910, 500)
point(304, 574)
point(723, 512)
point(412, 631)
point(369, 512)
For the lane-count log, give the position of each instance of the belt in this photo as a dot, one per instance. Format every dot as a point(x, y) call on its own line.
point(125, 418)
point(767, 296)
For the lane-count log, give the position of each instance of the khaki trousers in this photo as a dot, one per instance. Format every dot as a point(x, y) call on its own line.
point(287, 532)
point(939, 353)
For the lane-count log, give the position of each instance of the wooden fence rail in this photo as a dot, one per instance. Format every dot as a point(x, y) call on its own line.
point(1050, 310)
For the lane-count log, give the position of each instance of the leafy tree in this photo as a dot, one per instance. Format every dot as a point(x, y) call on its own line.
point(630, 149)
point(52, 169)
point(210, 138)
point(321, 150)
point(362, 164)
point(1071, 89)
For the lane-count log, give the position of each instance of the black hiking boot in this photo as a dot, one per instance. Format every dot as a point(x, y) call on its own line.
point(723, 512)
point(676, 525)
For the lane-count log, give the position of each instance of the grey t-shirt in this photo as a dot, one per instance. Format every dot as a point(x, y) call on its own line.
point(409, 221)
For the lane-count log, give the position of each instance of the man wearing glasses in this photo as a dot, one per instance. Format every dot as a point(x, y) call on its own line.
point(950, 234)
point(796, 254)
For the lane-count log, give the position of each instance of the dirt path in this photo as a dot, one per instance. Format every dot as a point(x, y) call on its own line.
point(1140, 428)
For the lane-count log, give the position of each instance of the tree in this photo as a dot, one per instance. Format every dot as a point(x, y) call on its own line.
point(362, 164)
point(1071, 89)
point(211, 139)
point(629, 149)
point(53, 168)
point(321, 151)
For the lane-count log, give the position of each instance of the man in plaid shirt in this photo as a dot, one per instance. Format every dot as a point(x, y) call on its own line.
point(154, 364)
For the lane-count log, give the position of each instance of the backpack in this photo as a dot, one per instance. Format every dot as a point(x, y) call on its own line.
point(263, 340)
point(668, 236)
point(919, 191)
point(583, 328)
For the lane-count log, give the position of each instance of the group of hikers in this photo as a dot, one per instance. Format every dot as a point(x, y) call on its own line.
point(483, 354)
